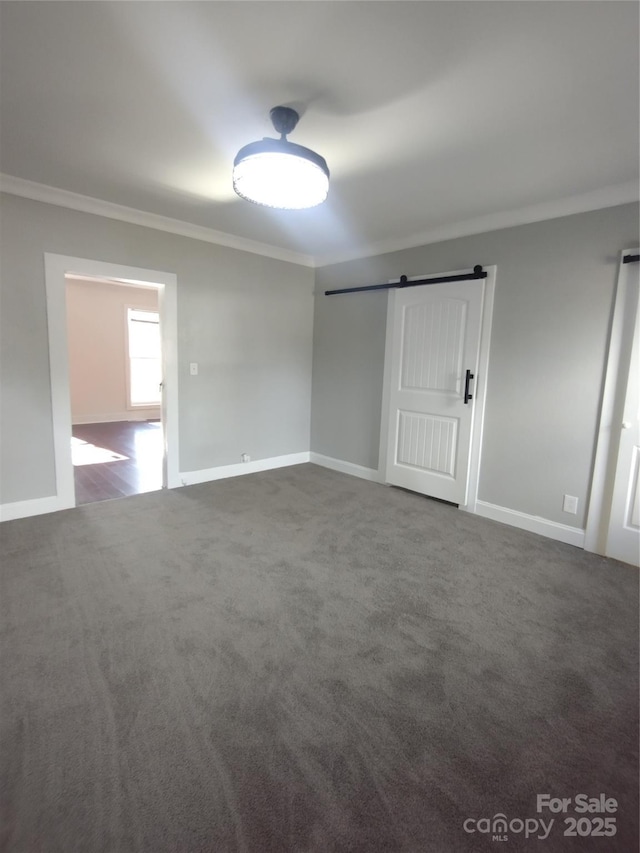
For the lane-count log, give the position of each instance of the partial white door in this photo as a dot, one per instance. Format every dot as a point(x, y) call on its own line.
point(433, 377)
point(623, 537)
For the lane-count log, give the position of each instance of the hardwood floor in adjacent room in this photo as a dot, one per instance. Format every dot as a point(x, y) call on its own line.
point(114, 460)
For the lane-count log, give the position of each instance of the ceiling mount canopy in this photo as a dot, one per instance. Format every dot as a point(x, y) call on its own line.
point(278, 173)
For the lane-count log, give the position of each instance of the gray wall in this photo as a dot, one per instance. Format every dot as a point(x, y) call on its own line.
point(554, 298)
point(246, 319)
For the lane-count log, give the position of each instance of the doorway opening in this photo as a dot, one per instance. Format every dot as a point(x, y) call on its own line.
point(140, 431)
point(115, 380)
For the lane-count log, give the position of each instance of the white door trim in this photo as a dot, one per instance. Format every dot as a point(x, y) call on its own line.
point(56, 267)
point(620, 343)
point(480, 383)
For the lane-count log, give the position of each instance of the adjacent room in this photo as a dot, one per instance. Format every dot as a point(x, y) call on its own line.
point(320, 421)
point(115, 387)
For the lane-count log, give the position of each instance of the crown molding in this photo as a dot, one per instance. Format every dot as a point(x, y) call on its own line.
point(583, 203)
point(611, 196)
point(86, 204)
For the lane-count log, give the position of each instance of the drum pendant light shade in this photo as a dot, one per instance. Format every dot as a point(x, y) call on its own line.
point(278, 173)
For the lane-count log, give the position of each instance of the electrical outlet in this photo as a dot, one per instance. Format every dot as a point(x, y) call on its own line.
point(193, 368)
point(244, 457)
point(570, 504)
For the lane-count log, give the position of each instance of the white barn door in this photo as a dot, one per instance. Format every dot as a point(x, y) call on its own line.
point(433, 375)
point(623, 537)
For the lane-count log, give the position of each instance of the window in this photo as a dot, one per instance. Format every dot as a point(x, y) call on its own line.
point(145, 367)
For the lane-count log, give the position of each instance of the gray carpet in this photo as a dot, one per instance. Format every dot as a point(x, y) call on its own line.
point(303, 661)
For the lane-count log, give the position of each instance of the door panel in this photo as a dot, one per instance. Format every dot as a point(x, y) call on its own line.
point(433, 344)
point(436, 338)
point(623, 538)
point(427, 442)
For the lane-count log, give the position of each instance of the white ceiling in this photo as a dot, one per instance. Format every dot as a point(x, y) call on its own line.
point(429, 114)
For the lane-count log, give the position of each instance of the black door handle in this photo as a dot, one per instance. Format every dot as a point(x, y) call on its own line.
point(467, 380)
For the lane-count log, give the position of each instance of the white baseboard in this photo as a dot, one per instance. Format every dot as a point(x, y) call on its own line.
point(346, 467)
point(40, 506)
point(36, 506)
point(532, 523)
point(205, 475)
point(142, 415)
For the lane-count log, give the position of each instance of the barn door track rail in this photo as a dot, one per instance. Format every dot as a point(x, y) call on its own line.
point(478, 272)
point(630, 259)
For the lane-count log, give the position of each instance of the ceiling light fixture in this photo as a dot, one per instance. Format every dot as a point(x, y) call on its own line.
point(279, 173)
